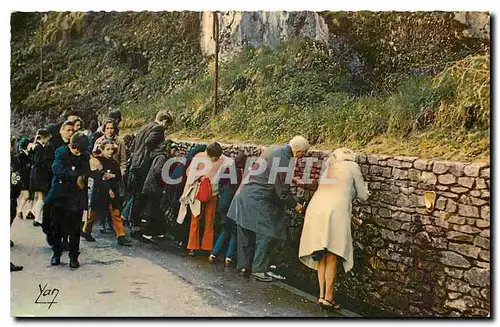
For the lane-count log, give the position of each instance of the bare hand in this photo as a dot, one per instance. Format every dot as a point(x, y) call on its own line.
point(112, 194)
point(80, 182)
point(95, 164)
point(108, 176)
point(299, 207)
point(357, 222)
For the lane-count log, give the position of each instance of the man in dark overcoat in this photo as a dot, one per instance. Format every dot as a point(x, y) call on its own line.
point(258, 208)
point(148, 138)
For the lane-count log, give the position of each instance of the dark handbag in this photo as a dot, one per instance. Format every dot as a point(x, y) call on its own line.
point(205, 190)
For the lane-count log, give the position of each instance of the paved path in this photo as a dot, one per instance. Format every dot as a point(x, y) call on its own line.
point(143, 280)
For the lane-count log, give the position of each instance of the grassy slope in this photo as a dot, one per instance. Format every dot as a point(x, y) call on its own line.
point(145, 62)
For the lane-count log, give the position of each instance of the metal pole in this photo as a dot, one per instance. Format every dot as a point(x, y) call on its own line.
point(216, 68)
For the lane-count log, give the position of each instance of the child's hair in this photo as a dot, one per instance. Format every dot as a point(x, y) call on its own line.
point(42, 133)
point(23, 144)
point(109, 121)
point(79, 141)
point(214, 150)
point(104, 143)
point(81, 122)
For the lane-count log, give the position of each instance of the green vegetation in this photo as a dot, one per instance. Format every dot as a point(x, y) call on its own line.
point(423, 90)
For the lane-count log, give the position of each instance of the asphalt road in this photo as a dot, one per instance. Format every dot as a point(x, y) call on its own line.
point(144, 280)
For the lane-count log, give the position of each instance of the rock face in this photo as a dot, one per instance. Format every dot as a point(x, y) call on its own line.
point(256, 28)
point(408, 261)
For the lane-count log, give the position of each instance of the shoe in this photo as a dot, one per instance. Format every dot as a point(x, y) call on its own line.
point(88, 237)
point(30, 216)
point(261, 277)
point(36, 223)
point(275, 276)
point(123, 241)
point(227, 262)
point(55, 260)
point(191, 253)
point(211, 258)
point(137, 234)
point(244, 272)
point(11, 243)
point(14, 267)
point(329, 306)
point(73, 261)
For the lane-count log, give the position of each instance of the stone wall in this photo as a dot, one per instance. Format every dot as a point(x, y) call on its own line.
point(408, 261)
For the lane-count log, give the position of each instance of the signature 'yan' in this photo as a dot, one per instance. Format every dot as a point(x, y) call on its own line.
point(47, 295)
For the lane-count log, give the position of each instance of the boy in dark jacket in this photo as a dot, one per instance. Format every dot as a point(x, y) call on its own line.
point(68, 197)
point(105, 198)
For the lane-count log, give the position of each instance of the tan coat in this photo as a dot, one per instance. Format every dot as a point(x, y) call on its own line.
point(327, 224)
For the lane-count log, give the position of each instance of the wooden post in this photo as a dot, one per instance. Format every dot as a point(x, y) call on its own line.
point(216, 68)
point(41, 51)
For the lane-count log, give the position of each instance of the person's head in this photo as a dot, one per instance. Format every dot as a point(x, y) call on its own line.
point(77, 124)
point(164, 118)
point(107, 149)
point(78, 144)
point(93, 126)
point(42, 135)
point(72, 115)
point(109, 129)
point(299, 146)
point(128, 139)
point(240, 160)
point(23, 144)
point(344, 154)
point(66, 131)
point(115, 115)
point(214, 151)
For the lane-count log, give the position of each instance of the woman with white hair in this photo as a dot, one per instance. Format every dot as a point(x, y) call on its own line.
point(326, 234)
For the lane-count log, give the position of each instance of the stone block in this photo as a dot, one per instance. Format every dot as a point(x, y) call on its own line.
point(465, 249)
point(478, 277)
point(473, 169)
point(439, 242)
point(485, 233)
point(457, 286)
point(468, 211)
point(482, 223)
point(440, 203)
point(462, 237)
point(414, 175)
point(477, 201)
point(485, 194)
point(453, 295)
point(457, 168)
point(442, 187)
point(482, 242)
point(453, 272)
point(485, 173)
point(475, 193)
point(447, 179)
point(421, 164)
point(452, 259)
point(451, 206)
point(387, 172)
point(466, 229)
point(466, 181)
point(440, 167)
point(429, 178)
point(458, 190)
point(481, 183)
point(449, 194)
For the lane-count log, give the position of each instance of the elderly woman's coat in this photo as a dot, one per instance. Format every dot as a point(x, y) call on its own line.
point(327, 224)
point(258, 205)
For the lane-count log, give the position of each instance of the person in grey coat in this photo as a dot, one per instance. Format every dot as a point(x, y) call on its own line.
point(258, 208)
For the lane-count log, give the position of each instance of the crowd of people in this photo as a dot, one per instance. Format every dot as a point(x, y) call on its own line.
point(67, 177)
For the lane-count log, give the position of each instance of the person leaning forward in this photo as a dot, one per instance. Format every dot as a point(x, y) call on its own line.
point(258, 209)
point(148, 138)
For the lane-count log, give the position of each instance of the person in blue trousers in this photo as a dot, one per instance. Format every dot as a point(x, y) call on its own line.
point(226, 194)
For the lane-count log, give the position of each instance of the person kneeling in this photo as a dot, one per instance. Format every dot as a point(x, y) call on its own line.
point(105, 196)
